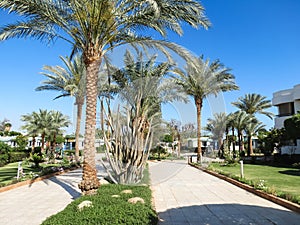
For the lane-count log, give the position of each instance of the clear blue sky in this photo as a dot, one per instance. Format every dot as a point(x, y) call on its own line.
point(258, 39)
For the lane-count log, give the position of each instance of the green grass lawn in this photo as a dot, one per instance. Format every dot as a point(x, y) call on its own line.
point(278, 180)
point(8, 173)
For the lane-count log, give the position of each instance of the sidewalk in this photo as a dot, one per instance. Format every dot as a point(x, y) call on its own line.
point(186, 195)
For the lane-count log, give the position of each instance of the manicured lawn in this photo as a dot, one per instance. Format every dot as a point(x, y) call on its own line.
point(8, 173)
point(278, 180)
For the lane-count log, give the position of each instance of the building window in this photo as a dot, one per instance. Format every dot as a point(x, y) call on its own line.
point(286, 109)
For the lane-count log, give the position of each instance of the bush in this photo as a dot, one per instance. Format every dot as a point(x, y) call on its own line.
point(70, 152)
point(4, 153)
point(17, 156)
point(109, 210)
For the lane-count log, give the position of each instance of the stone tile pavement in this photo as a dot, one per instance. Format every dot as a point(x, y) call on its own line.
point(186, 195)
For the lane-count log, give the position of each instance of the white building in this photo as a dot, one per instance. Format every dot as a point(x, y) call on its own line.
point(288, 103)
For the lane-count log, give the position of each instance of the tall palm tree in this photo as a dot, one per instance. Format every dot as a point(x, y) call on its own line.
point(31, 128)
point(254, 103)
point(59, 121)
point(240, 120)
point(69, 81)
point(251, 129)
point(39, 123)
point(202, 80)
point(95, 27)
point(217, 126)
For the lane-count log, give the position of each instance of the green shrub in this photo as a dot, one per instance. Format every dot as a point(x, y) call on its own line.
point(70, 152)
point(17, 156)
point(4, 153)
point(109, 210)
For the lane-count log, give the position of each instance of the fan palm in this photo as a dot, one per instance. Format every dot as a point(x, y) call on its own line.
point(200, 81)
point(95, 27)
point(254, 103)
point(70, 81)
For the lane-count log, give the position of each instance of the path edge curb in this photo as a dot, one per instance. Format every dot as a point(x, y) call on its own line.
point(31, 181)
point(280, 201)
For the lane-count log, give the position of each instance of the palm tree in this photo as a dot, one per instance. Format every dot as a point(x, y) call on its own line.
point(39, 123)
point(217, 127)
point(240, 120)
point(58, 121)
point(95, 27)
point(31, 127)
point(254, 103)
point(202, 80)
point(251, 129)
point(70, 81)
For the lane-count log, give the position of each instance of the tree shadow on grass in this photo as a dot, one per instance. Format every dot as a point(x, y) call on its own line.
point(291, 172)
point(223, 214)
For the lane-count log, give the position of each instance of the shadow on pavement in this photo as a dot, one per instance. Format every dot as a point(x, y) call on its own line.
point(227, 214)
point(68, 186)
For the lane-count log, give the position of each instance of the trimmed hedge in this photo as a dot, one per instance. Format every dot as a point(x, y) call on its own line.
point(108, 210)
point(17, 156)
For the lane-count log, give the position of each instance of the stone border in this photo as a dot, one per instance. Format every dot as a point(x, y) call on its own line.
point(31, 181)
point(280, 201)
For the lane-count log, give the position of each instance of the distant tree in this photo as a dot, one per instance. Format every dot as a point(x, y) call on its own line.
point(269, 140)
point(251, 129)
point(201, 79)
point(292, 127)
point(217, 127)
point(253, 104)
point(2, 124)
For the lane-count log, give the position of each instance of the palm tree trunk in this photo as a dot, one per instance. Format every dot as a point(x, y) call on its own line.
point(233, 143)
point(79, 103)
point(198, 103)
point(250, 147)
point(90, 183)
point(43, 142)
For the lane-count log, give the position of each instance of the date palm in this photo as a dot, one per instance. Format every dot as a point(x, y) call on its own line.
point(39, 123)
point(251, 129)
point(58, 121)
point(240, 121)
point(69, 81)
point(201, 80)
point(217, 126)
point(95, 27)
point(254, 103)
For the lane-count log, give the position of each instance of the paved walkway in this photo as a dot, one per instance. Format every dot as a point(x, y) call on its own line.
point(183, 195)
point(186, 195)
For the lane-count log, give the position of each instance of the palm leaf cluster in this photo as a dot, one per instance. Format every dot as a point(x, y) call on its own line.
point(46, 124)
point(201, 79)
point(241, 123)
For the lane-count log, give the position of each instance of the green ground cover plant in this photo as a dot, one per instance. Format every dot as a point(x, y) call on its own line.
point(109, 209)
point(277, 180)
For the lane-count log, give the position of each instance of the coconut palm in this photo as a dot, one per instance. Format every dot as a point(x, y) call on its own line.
point(95, 27)
point(251, 129)
point(69, 81)
point(253, 104)
point(31, 127)
point(202, 80)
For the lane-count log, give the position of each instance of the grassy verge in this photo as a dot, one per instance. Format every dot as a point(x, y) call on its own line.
point(107, 209)
point(8, 173)
point(277, 180)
